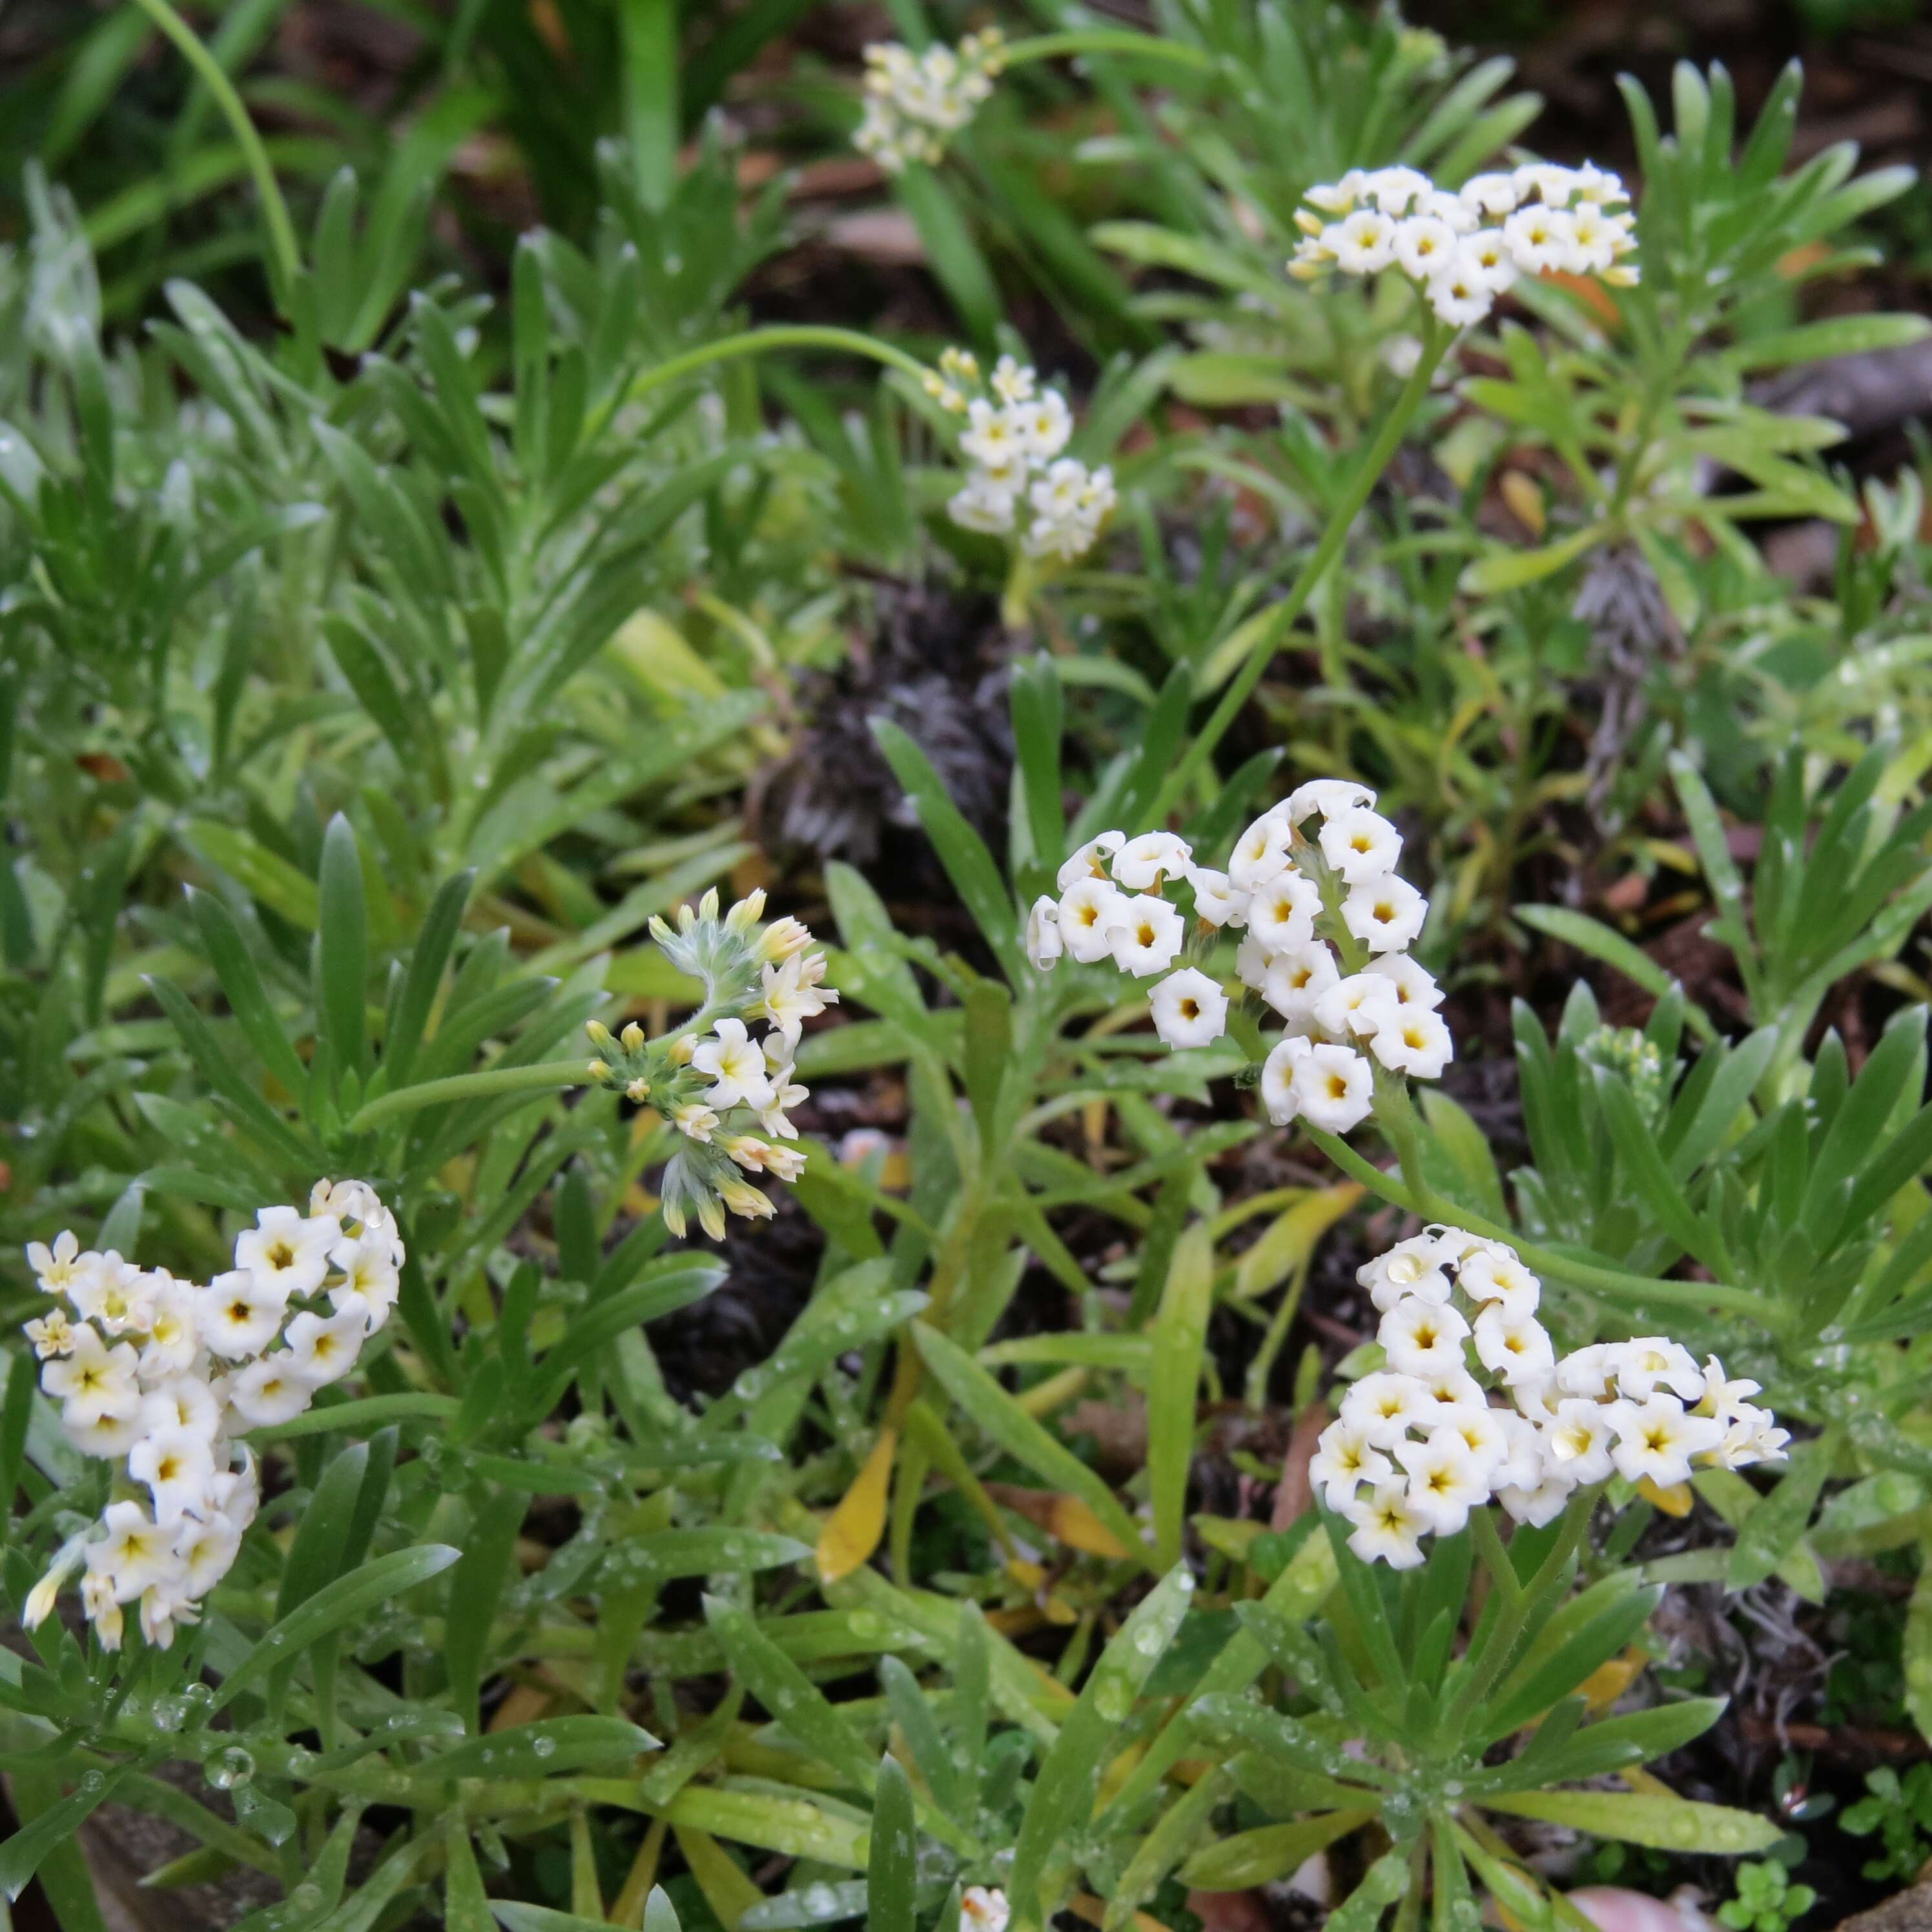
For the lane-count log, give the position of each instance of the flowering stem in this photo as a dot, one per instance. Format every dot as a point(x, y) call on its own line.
point(1367, 473)
point(284, 252)
point(1427, 1205)
point(1106, 40)
point(470, 1087)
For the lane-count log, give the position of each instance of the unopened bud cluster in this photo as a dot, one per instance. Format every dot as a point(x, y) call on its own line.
point(1419, 1444)
point(1014, 429)
point(1328, 924)
point(164, 1377)
point(914, 102)
point(728, 1093)
point(1465, 246)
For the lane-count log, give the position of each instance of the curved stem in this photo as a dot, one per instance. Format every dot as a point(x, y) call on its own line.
point(1107, 41)
point(471, 1086)
point(1427, 1205)
point(285, 253)
point(1367, 473)
point(781, 335)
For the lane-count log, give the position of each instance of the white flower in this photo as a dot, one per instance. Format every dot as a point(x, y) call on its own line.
point(112, 1293)
point(1297, 979)
point(1413, 985)
point(1722, 1397)
point(1415, 1041)
point(1363, 243)
point(1339, 197)
point(52, 1334)
point(1360, 1003)
point(1344, 1459)
point(1549, 180)
point(287, 1252)
point(1360, 843)
point(787, 998)
point(1392, 190)
point(206, 1546)
point(238, 1314)
point(1326, 796)
point(1424, 245)
point(1421, 1338)
point(1657, 1439)
point(93, 1381)
point(736, 1066)
point(1045, 424)
point(1522, 1467)
point(55, 1268)
point(182, 1401)
point(1539, 238)
point(1143, 863)
point(1090, 909)
point(1491, 194)
point(1576, 1440)
point(1411, 1267)
point(42, 1597)
point(1641, 1364)
point(993, 433)
point(984, 504)
point(1593, 242)
point(1333, 1089)
point(173, 1340)
point(1485, 261)
point(1277, 1084)
point(1385, 1405)
point(163, 1607)
point(1540, 1505)
point(1388, 1527)
point(1090, 861)
point(1588, 1371)
point(1493, 1274)
point(1282, 913)
point(1012, 381)
point(983, 1909)
point(136, 1554)
point(1216, 898)
point(1251, 964)
point(1459, 295)
point(323, 1351)
point(369, 1276)
point(694, 1121)
point(1260, 854)
point(97, 1601)
point(1452, 1387)
point(1147, 933)
point(1044, 944)
point(1190, 1009)
point(1446, 1480)
point(176, 1464)
point(1752, 1436)
point(1385, 914)
point(1516, 1347)
point(269, 1391)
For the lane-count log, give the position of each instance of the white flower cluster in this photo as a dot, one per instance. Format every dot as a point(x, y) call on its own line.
point(1418, 1443)
point(984, 1909)
point(914, 101)
point(1328, 923)
point(1015, 430)
point(169, 1374)
point(711, 1080)
point(1464, 247)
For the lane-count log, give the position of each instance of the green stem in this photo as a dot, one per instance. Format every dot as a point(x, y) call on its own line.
point(1367, 473)
point(470, 1086)
point(782, 335)
point(1107, 41)
point(284, 252)
point(1428, 1205)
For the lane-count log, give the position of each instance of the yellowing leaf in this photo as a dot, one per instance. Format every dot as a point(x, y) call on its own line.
point(1608, 1681)
point(1661, 1819)
point(655, 655)
point(728, 1892)
point(1675, 1501)
point(853, 1530)
point(1290, 1243)
point(1524, 500)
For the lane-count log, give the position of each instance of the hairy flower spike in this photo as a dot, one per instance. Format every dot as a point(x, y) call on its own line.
point(166, 1377)
point(914, 103)
point(1463, 249)
point(729, 1094)
point(1419, 1444)
point(1328, 923)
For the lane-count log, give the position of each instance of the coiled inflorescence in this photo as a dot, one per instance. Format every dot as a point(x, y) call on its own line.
point(1419, 1443)
point(165, 1377)
point(1327, 921)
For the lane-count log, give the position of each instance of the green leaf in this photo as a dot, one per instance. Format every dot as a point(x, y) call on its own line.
point(1591, 936)
point(892, 1871)
point(1180, 1344)
point(1062, 1793)
point(1269, 1852)
point(1815, 341)
point(476, 1588)
point(247, 998)
point(271, 879)
point(21, 1855)
point(1511, 569)
point(1640, 1818)
point(990, 1407)
point(551, 1745)
point(342, 948)
point(387, 1578)
point(1771, 1531)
